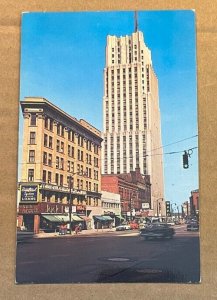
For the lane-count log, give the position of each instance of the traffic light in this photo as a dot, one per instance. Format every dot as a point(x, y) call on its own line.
point(185, 160)
point(168, 213)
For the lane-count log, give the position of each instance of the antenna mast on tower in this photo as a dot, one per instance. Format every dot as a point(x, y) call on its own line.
point(136, 21)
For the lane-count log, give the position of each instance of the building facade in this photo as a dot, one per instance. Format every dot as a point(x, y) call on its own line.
point(60, 164)
point(134, 190)
point(131, 115)
point(111, 206)
point(194, 202)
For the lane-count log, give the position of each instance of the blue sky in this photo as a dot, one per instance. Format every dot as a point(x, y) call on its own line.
point(63, 56)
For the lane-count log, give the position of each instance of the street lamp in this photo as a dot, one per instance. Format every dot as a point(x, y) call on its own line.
point(70, 197)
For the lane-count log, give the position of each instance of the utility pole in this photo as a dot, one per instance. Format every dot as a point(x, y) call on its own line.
point(70, 204)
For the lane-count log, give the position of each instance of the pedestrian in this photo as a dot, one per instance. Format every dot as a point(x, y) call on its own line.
point(76, 229)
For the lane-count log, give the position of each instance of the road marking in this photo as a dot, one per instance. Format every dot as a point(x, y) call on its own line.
point(118, 259)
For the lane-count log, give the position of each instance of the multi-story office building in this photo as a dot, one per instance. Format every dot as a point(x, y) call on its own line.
point(132, 130)
point(60, 164)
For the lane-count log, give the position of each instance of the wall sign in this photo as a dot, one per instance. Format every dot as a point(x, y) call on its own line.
point(29, 193)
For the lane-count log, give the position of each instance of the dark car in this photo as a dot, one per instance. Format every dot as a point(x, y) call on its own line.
point(24, 235)
point(157, 230)
point(193, 226)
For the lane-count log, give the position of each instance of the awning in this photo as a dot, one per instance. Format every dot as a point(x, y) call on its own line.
point(119, 217)
point(76, 218)
point(85, 218)
point(99, 218)
point(107, 218)
point(61, 218)
point(51, 218)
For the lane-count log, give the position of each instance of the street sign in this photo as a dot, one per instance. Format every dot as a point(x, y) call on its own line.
point(145, 206)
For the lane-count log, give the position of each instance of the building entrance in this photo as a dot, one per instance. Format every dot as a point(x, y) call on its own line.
point(28, 221)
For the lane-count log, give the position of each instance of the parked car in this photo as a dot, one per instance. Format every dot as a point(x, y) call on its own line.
point(134, 225)
point(193, 226)
point(123, 227)
point(157, 230)
point(23, 235)
point(171, 223)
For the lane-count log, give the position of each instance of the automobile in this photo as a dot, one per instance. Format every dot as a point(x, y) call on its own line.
point(24, 235)
point(193, 226)
point(171, 223)
point(123, 227)
point(134, 225)
point(157, 230)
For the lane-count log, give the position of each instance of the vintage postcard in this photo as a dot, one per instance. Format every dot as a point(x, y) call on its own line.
point(108, 187)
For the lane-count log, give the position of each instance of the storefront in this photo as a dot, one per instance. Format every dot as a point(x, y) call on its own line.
point(101, 222)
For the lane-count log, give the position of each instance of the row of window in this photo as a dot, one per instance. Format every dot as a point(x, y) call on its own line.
point(61, 132)
point(110, 205)
point(59, 180)
point(47, 159)
point(60, 197)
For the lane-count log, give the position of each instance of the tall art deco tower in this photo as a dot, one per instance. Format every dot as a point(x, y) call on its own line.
point(131, 115)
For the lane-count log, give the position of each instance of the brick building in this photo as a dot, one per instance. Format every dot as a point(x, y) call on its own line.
point(134, 190)
point(194, 202)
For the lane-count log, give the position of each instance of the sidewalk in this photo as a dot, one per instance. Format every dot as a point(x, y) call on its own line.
point(89, 232)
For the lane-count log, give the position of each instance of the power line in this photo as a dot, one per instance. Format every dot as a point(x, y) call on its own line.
point(124, 157)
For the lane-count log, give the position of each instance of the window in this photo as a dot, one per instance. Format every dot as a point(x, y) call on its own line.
point(45, 140)
point(80, 141)
point(58, 129)
point(31, 156)
point(45, 158)
point(50, 160)
point(49, 177)
point(57, 162)
point(62, 147)
point(44, 176)
point(57, 178)
point(61, 163)
point(61, 180)
point(62, 130)
point(46, 122)
point(51, 125)
point(50, 142)
point(68, 165)
point(32, 138)
point(30, 175)
point(58, 146)
point(33, 120)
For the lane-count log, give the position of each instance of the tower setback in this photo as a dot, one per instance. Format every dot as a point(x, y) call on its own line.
point(131, 115)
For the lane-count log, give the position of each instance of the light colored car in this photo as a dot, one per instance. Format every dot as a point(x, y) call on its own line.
point(123, 227)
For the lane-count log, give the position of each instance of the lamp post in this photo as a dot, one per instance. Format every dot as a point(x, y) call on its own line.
point(70, 205)
point(70, 197)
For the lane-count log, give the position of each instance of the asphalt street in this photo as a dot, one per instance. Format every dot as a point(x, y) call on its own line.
point(109, 257)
